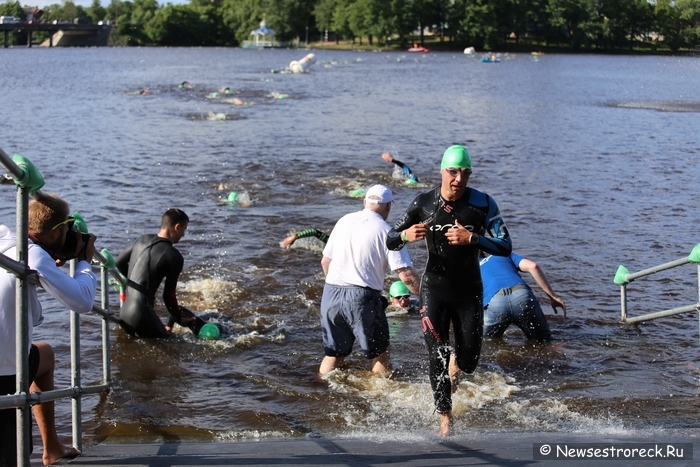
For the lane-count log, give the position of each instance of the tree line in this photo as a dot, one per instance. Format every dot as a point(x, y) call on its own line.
point(586, 25)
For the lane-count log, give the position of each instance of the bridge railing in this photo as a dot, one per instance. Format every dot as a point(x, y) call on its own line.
point(623, 277)
point(22, 400)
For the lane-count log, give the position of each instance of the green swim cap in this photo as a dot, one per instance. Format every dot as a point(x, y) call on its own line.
point(210, 331)
point(398, 288)
point(456, 156)
point(232, 197)
point(411, 181)
point(357, 193)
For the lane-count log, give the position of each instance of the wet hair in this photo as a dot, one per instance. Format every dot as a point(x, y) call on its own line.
point(174, 216)
point(46, 211)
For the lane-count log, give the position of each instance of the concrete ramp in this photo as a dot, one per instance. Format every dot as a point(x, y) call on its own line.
point(63, 38)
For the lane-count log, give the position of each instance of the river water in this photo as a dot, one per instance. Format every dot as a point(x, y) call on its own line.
point(592, 159)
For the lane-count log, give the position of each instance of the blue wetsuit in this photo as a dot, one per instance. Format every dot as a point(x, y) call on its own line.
point(406, 170)
point(451, 290)
point(509, 300)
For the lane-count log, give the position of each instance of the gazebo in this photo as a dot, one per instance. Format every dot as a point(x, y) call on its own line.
point(261, 35)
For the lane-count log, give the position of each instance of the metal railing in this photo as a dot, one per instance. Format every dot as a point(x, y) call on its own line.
point(624, 277)
point(22, 400)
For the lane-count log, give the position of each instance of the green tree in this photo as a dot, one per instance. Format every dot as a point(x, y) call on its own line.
point(10, 8)
point(96, 12)
point(181, 25)
point(323, 12)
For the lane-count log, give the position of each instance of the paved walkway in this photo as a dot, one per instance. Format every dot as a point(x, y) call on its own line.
point(496, 449)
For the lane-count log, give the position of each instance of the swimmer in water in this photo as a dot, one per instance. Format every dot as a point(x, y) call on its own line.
point(411, 178)
point(149, 260)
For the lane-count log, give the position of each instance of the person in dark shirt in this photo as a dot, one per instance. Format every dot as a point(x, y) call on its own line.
point(456, 222)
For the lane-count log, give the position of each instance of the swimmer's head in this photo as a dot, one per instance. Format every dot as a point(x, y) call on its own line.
point(456, 156)
point(399, 294)
point(398, 288)
point(210, 331)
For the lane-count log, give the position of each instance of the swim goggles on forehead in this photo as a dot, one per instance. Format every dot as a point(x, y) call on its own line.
point(70, 220)
point(402, 297)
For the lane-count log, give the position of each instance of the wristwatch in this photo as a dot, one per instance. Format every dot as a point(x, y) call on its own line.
point(474, 239)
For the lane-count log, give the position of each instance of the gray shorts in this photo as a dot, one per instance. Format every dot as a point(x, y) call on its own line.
point(349, 313)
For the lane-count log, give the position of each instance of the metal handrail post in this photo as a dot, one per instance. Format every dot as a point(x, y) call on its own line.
point(24, 417)
point(623, 302)
point(106, 358)
point(75, 370)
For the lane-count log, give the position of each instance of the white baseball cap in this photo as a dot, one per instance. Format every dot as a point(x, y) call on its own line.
point(381, 192)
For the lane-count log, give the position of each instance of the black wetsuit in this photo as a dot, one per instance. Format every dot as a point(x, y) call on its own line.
point(148, 260)
point(451, 289)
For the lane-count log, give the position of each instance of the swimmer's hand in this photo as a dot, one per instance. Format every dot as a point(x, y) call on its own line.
point(387, 157)
point(557, 302)
point(289, 241)
point(458, 234)
point(415, 232)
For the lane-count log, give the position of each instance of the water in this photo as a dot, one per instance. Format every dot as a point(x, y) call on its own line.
point(593, 161)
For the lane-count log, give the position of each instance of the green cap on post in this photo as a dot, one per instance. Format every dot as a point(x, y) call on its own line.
point(398, 288)
point(456, 156)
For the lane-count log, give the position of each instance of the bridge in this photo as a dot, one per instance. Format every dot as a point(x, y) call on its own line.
point(63, 34)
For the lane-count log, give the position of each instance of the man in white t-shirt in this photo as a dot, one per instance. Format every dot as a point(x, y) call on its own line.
point(355, 261)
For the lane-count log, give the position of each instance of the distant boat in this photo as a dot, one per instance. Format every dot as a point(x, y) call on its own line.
point(490, 58)
point(419, 48)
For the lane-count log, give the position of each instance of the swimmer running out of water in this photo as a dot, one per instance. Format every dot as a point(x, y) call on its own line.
point(454, 220)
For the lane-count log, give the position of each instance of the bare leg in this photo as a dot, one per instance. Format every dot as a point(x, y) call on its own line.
point(329, 364)
point(44, 413)
point(445, 424)
point(454, 373)
point(381, 364)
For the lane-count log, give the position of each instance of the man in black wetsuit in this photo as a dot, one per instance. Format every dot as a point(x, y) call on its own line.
point(145, 263)
point(454, 220)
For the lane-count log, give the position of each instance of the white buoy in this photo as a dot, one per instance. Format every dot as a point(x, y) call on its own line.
point(470, 51)
point(300, 66)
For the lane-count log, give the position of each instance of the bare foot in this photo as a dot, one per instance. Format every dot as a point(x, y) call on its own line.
point(67, 452)
point(445, 424)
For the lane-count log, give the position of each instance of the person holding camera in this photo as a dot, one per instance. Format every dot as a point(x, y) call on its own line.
point(149, 260)
point(53, 241)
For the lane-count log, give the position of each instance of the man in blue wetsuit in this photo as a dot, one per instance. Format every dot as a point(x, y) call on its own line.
point(509, 300)
point(149, 260)
point(456, 222)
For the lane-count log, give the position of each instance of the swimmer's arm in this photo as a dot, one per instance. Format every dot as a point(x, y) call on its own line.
point(325, 264)
point(313, 233)
point(409, 277)
point(498, 242)
point(122, 262)
point(289, 241)
point(170, 287)
point(407, 229)
point(537, 273)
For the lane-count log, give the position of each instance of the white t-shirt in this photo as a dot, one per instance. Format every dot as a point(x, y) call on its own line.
point(77, 294)
point(358, 252)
